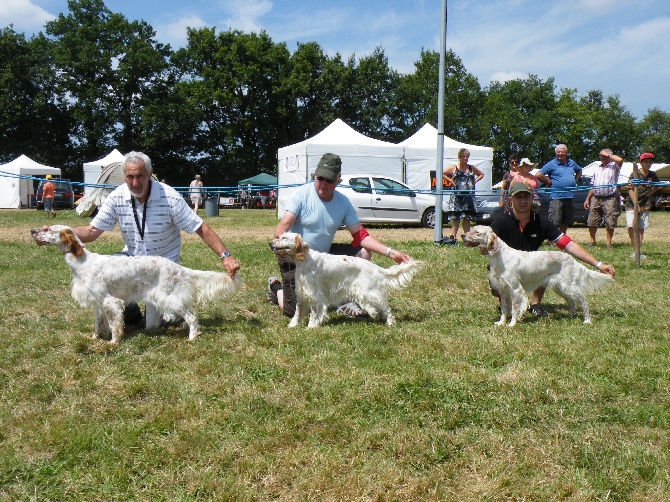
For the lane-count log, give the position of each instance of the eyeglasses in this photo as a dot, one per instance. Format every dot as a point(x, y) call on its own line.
point(322, 179)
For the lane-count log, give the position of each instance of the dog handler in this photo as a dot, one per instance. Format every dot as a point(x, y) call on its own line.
point(526, 230)
point(316, 211)
point(151, 215)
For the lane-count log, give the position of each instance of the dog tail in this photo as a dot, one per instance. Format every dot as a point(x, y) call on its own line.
point(594, 280)
point(209, 285)
point(400, 275)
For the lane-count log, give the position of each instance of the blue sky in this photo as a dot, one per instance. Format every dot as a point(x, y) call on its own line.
point(618, 46)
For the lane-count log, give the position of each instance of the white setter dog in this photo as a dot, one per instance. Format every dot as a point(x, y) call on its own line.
point(105, 283)
point(324, 280)
point(516, 274)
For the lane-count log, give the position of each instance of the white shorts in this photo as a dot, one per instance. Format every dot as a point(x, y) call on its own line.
point(642, 219)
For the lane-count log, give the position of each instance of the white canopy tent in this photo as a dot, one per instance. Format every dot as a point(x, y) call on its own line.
point(421, 158)
point(16, 183)
point(93, 169)
point(359, 154)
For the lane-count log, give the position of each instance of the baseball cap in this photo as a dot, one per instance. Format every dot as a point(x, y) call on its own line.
point(519, 187)
point(330, 166)
point(48, 176)
point(646, 155)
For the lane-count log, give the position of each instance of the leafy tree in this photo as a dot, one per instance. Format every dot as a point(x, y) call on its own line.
point(654, 131)
point(33, 119)
point(234, 81)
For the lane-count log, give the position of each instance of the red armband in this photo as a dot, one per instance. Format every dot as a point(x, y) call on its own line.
point(358, 237)
point(563, 241)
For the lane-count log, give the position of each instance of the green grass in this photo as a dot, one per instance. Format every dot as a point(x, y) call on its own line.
point(441, 406)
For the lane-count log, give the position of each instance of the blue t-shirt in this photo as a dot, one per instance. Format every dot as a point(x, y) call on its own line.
point(561, 176)
point(317, 221)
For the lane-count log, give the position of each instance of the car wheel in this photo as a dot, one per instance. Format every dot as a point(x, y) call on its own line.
point(428, 218)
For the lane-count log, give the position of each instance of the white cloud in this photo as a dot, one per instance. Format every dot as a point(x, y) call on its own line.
point(175, 33)
point(24, 15)
point(245, 15)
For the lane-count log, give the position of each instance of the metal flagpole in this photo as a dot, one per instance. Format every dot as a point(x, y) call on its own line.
point(437, 235)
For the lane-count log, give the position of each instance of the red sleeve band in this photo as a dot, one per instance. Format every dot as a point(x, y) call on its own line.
point(358, 237)
point(563, 241)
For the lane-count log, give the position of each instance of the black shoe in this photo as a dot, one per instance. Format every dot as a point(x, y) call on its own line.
point(449, 241)
point(132, 315)
point(538, 310)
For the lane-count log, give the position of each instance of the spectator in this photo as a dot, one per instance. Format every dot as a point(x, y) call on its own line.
point(48, 194)
point(526, 230)
point(150, 216)
point(644, 193)
point(464, 177)
point(195, 190)
point(524, 175)
point(505, 199)
point(316, 211)
point(243, 198)
point(560, 174)
point(603, 200)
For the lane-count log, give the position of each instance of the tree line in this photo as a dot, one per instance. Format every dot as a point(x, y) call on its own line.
point(222, 105)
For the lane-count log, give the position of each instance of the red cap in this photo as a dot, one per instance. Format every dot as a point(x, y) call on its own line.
point(646, 155)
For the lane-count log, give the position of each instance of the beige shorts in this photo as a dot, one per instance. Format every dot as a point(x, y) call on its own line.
point(642, 219)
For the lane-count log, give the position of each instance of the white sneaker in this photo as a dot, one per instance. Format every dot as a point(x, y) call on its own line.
point(350, 309)
point(632, 255)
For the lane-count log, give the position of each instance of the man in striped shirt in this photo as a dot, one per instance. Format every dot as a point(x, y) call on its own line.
point(602, 200)
point(151, 216)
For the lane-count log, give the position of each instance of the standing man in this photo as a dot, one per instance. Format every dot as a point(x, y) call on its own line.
point(644, 193)
point(526, 230)
point(602, 200)
point(151, 215)
point(48, 194)
point(561, 175)
point(316, 211)
point(195, 191)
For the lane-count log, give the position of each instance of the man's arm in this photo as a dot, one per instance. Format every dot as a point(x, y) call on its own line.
point(587, 201)
point(583, 255)
point(374, 246)
point(215, 243)
point(87, 233)
point(285, 223)
point(544, 179)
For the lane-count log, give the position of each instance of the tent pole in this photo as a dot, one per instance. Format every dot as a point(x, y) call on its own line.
point(439, 167)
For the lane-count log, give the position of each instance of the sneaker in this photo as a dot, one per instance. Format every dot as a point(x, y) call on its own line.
point(350, 309)
point(538, 310)
point(449, 241)
point(272, 296)
point(632, 255)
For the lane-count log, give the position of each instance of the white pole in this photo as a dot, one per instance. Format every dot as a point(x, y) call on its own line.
point(437, 235)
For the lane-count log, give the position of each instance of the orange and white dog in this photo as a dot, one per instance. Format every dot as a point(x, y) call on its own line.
point(323, 280)
point(105, 283)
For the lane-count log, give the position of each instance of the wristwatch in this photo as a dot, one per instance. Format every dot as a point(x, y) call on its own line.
point(225, 254)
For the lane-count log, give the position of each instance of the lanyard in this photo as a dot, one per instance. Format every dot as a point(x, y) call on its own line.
point(144, 212)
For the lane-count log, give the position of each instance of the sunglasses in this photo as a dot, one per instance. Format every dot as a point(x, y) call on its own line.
point(322, 179)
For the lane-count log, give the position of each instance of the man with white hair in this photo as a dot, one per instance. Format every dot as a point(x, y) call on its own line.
point(151, 216)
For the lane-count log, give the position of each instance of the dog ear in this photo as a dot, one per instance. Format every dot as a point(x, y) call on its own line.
point(300, 248)
point(492, 243)
point(71, 243)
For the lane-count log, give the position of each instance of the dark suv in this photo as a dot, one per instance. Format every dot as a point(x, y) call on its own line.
point(63, 196)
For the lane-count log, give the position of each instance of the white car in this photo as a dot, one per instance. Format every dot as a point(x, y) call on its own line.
point(378, 199)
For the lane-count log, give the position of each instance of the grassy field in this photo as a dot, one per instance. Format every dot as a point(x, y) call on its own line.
point(441, 406)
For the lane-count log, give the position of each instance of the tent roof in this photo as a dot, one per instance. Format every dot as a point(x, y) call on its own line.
point(259, 179)
point(26, 165)
point(426, 137)
point(340, 133)
point(113, 156)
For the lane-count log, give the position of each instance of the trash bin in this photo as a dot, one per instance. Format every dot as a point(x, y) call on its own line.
point(212, 205)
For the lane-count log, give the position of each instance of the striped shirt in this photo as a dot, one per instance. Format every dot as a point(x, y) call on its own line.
point(166, 214)
point(605, 179)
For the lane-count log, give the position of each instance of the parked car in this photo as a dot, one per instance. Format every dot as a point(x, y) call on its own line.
point(488, 206)
point(63, 195)
point(378, 199)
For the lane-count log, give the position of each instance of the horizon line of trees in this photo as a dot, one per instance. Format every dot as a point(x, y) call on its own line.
point(222, 105)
